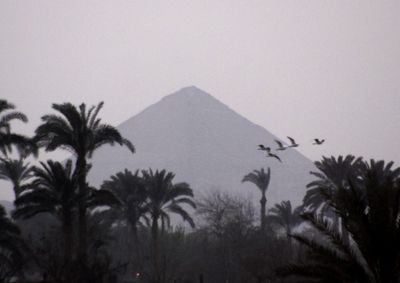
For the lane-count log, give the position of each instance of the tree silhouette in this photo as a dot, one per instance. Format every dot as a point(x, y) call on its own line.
point(17, 172)
point(222, 213)
point(7, 137)
point(369, 209)
point(227, 221)
point(81, 132)
point(164, 198)
point(285, 217)
point(333, 173)
point(54, 191)
point(261, 179)
point(11, 256)
point(131, 193)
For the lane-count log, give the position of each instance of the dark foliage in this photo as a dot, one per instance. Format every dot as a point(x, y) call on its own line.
point(367, 201)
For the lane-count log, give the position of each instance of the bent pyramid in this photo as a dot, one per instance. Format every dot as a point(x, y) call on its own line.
point(206, 144)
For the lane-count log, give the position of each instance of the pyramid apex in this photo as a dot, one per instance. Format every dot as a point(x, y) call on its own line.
point(191, 90)
point(189, 93)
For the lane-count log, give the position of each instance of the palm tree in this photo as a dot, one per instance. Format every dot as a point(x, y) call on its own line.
point(164, 197)
point(15, 171)
point(333, 174)
point(7, 137)
point(81, 132)
point(329, 257)
point(54, 191)
point(131, 193)
point(261, 179)
point(285, 217)
point(10, 247)
point(370, 210)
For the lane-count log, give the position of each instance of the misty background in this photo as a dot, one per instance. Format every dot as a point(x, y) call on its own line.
point(305, 69)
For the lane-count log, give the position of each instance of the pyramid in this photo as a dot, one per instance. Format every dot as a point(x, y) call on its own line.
point(206, 144)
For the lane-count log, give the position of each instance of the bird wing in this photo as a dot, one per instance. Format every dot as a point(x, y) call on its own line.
point(291, 140)
point(276, 156)
point(261, 147)
point(279, 143)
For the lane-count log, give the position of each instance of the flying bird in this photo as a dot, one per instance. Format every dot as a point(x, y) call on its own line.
point(274, 156)
point(280, 145)
point(262, 147)
point(318, 141)
point(293, 142)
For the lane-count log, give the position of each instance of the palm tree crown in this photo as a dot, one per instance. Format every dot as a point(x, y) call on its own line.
point(53, 190)
point(77, 130)
point(369, 206)
point(284, 216)
point(15, 171)
point(261, 179)
point(131, 193)
point(333, 173)
point(164, 197)
point(7, 137)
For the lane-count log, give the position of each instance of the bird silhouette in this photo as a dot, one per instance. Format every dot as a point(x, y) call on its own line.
point(318, 141)
point(262, 147)
point(293, 142)
point(280, 145)
point(274, 156)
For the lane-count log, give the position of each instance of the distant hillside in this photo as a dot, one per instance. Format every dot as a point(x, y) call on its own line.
point(206, 144)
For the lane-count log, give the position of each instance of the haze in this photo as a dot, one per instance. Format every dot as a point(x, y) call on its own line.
point(302, 68)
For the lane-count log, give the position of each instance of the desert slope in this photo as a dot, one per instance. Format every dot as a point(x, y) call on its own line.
point(206, 144)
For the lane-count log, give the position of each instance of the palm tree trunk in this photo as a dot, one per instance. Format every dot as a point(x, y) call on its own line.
point(68, 240)
point(134, 231)
point(289, 238)
point(82, 220)
point(263, 203)
point(162, 226)
point(154, 234)
point(136, 252)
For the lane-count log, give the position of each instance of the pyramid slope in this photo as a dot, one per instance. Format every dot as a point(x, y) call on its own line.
point(207, 145)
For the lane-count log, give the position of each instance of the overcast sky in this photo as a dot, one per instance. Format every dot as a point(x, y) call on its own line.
point(302, 68)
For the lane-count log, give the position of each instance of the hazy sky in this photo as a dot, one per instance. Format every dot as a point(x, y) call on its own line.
point(302, 68)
